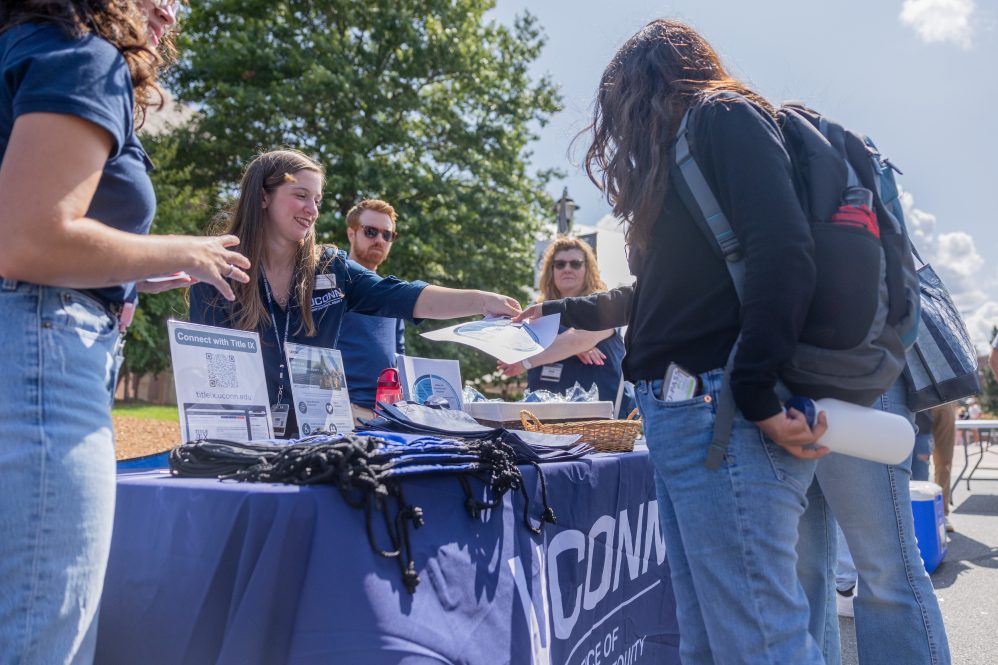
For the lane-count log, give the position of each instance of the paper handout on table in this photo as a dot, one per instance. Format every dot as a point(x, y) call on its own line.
point(423, 378)
point(319, 386)
point(221, 386)
point(501, 338)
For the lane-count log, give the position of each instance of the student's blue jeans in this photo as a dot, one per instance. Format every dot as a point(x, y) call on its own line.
point(730, 534)
point(921, 455)
point(57, 469)
point(897, 615)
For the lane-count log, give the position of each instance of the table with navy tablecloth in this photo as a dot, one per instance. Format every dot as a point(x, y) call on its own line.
point(204, 571)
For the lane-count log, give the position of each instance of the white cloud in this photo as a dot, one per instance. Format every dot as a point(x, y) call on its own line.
point(956, 260)
point(940, 20)
point(980, 323)
point(958, 253)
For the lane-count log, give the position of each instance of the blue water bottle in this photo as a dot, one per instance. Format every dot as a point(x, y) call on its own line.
point(805, 406)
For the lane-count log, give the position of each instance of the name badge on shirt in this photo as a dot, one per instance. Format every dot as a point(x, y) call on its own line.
point(323, 282)
point(279, 416)
point(551, 372)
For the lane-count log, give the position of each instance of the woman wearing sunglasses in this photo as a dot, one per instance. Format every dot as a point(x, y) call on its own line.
point(76, 78)
point(299, 290)
point(577, 356)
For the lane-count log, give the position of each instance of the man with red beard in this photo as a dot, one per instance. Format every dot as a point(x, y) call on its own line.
point(369, 343)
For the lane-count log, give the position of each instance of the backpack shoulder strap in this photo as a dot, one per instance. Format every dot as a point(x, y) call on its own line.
point(686, 176)
point(692, 188)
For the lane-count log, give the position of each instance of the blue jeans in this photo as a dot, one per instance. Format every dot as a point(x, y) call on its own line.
point(897, 615)
point(57, 465)
point(730, 534)
point(921, 455)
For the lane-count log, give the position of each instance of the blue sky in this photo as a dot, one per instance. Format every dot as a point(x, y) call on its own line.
point(918, 76)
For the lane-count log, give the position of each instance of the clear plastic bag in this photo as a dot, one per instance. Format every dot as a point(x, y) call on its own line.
point(574, 394)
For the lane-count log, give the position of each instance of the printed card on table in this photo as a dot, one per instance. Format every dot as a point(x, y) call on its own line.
point(319, 388)
point(221, 387)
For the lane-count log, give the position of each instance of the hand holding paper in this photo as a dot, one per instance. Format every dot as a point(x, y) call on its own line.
point(501, 338)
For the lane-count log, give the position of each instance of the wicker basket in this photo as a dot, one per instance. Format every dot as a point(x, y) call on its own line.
point(605, 436)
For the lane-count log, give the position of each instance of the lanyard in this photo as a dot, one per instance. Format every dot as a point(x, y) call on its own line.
point(287, 324)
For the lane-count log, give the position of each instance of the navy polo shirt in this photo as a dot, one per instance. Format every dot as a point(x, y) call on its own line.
point(42, 70)
point(344, 286)
point(562, 375)
point(369, 345)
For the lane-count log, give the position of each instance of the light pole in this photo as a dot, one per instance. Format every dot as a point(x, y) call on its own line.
point(565, 208)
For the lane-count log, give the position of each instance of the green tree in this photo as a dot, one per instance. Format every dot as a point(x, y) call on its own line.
point(182, 209)
point(423, 103)
point(989, 385)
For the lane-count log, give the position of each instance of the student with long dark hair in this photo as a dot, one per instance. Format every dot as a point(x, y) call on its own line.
point(730, 533)
point(77, 76)
point(298, 289)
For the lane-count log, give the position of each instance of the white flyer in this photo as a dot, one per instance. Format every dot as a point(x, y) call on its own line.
point(501, 338)
point(221, 386)
point(423, 378)
point(319, 389)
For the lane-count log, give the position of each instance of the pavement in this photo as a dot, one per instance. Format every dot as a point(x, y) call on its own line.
point(966, 582)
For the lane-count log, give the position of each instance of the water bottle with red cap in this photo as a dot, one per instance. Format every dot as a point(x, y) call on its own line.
point(857, 211)
point(389, 389)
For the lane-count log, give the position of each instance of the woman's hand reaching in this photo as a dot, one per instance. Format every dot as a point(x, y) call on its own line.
point(212, 261)
point(529, 314)
point(494, 304)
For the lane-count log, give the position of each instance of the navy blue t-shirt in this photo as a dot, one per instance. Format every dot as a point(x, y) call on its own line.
point(341, 285)
point(368, 345)
point(560, 376)
point(44, 71)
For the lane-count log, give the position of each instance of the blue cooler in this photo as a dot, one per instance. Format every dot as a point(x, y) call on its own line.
point(930, 530)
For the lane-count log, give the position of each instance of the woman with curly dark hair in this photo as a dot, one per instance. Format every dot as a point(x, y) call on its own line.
point(76, 77)
point(731, 532)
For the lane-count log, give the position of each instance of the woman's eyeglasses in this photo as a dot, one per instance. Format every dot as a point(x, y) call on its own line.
point(371, 233)
point(576, 264)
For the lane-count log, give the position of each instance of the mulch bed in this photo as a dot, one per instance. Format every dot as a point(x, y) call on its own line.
point(137, 437)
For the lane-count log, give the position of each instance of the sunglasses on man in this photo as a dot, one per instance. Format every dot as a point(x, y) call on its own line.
point(371, 233)
point(576, 264)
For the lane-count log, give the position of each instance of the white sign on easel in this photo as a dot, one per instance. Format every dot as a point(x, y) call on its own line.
point(319, 389)
point(423, 378)
point(221, 386)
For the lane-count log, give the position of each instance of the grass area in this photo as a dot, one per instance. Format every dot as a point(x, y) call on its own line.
point(146, 411)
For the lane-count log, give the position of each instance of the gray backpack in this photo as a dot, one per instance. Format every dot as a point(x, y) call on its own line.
point(864, 313)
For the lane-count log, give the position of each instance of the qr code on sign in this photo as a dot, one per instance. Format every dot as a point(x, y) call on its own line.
point(221, 370)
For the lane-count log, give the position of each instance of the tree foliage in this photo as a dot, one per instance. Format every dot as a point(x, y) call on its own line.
point(423, 103)
point(181, 209)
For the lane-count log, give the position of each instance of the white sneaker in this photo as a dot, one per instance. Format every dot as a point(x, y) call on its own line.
point(843, 602)
point(948, 524)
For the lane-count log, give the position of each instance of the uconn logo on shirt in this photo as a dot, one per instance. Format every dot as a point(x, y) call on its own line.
point(328, 298)
point(331, 296)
